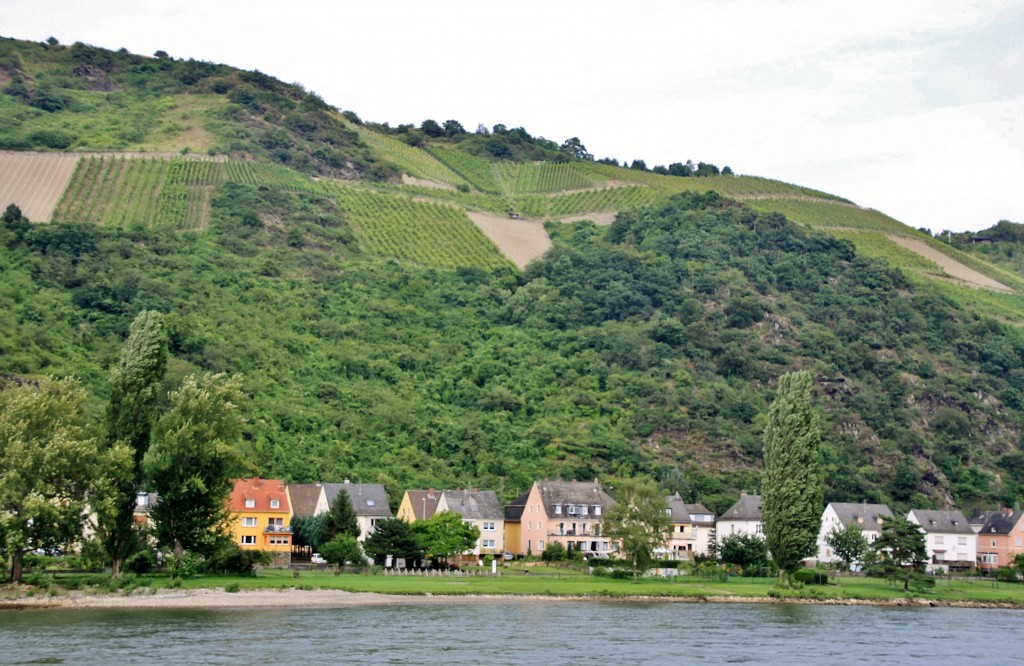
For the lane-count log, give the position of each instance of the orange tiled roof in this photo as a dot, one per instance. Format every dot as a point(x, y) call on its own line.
point(261, 491)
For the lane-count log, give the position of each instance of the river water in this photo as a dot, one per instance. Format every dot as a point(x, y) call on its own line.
point(518, 632)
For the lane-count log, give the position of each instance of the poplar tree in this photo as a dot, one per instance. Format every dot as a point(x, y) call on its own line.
point(130, 416)
point(792, 486)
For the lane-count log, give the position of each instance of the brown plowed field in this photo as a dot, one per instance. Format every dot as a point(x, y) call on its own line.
point(35, 181)
point(522, 241)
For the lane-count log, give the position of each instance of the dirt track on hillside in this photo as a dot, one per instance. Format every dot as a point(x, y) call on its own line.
point(950, 266)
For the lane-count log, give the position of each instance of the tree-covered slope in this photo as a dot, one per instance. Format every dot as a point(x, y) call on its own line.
point(383, 338)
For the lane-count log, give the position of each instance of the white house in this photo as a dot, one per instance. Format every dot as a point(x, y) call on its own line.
point(369, 502)
point(483, 509)
point(837, 515)
point(743, 517)
point(693, 528)
point(951, 541)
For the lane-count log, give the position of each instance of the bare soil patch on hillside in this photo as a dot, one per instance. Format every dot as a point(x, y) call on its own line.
point(600, 219)
point(521, 241)
point(950, 266)
point(35, 181)
point(423, 182)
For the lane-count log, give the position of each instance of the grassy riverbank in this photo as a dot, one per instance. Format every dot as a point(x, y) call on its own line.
point(542, 582)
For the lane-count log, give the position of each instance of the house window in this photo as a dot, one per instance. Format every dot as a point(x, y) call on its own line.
point(558, 509)
point(597, 510)
point(488, 543)
point(250, 504)
point(993, 543)
point(1017, 542)
point(540, 544)
point(370, 503)
point(248, 540)
point(682, 529)
point(249, 521)
point(488, 526)
point(757, 528)
point(939, 540)
point(961, 541)
point(275, 504)
point(989, 558)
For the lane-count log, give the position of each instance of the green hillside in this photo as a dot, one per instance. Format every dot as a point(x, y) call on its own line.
point(383, 336)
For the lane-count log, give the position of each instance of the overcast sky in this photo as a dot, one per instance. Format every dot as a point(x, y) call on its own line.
point(912, 107)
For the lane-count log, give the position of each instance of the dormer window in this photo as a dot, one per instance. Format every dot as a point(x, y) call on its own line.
point(275, 504)
point(597, 510)
point(558, 509)
point(250, 504)
point(370, 502)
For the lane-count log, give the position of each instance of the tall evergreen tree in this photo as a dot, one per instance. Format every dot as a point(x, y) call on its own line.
point(792, 486)
point(341, 519)
point(130, 416)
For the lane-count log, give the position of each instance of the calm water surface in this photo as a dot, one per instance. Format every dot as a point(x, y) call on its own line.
point(518, 632)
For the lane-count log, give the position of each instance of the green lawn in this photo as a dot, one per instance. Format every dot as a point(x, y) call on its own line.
point(572, 583)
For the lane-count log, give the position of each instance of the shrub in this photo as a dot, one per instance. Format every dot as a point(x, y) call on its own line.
point(141, 562)
point(811, 577)
point(232, 587)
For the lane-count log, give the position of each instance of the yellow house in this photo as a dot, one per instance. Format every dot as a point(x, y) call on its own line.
point(261, 515)
point(418, 505)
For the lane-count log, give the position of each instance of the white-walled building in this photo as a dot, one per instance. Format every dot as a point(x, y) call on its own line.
point(952, 542)
point(838, 515)
point(743, 517)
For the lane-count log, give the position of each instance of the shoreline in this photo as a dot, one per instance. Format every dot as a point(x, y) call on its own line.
point(219, 599)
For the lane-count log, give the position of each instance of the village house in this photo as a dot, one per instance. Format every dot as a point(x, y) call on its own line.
point(1000, 537)
point(513, 519)
point(566, 512)
point(482, 509)
point(743, 517)
point(951, 542)
point(260, 517)
point(369, 502)
point(693, 529)
point(418, 505)
point(869, 518)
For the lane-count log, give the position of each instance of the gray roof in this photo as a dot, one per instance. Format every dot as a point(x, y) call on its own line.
point(304, 497)
point(748, 507)
point(475, 504)
point(996, 522)
point(514, 509)
point(424, 503)
point(867, 516)
point(568, 493)
point(367, 499)
point(945, 522)
point(682, 512)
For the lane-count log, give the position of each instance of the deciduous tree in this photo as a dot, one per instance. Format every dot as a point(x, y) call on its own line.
point(848, 543)
point(130, 417)
point(193, 460)
point(792, 486)
point(444, 534)
point(639, 521)
point(47, 466)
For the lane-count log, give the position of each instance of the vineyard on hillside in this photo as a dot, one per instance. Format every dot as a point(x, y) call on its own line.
point(413, 161)
point(829, 214)
point(544, 177)
point(476, 170)
point(611, 199)
point(426, 233)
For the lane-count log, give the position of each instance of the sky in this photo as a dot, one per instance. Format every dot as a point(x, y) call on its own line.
point(911, 107)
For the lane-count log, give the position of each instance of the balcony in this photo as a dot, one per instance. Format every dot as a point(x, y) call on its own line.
point(277, 529)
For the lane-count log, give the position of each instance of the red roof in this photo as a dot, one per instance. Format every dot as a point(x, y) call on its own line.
point(261, 492)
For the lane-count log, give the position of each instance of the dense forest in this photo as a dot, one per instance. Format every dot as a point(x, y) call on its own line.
point(648, 347)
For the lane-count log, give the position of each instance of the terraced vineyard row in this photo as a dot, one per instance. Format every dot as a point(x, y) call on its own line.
point(426, 233)
point(474, 169)
point(544, 177)
point(590, 201)
point(123, 191)
point(413, 161)
point(272, 175)
point(826, 214)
